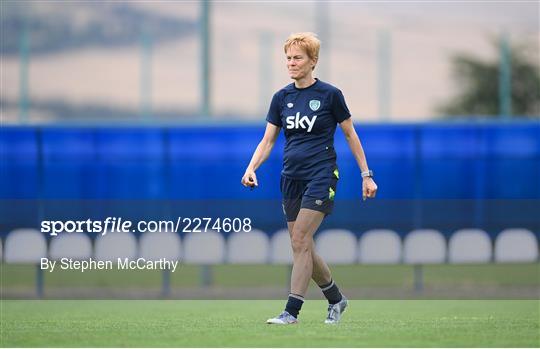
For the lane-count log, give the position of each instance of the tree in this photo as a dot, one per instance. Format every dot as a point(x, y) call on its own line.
point(478, 86)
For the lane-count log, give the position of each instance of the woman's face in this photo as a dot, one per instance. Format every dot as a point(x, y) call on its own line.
point(298, 63)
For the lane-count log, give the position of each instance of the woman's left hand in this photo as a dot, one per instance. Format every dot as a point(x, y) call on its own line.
point(369, 188)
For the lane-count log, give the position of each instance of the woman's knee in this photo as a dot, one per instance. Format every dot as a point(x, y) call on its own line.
point(301, 242)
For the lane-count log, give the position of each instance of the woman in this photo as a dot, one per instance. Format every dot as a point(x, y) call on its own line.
point(309, 111)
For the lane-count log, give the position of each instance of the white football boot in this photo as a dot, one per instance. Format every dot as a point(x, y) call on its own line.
point(335, 311)
point(283, 319)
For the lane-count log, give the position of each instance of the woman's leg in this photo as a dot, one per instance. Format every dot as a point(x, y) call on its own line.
point(321, 272)
point(306, 224)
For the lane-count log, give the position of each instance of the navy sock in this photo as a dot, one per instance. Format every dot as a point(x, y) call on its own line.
point(331, 292)
point(294, 304)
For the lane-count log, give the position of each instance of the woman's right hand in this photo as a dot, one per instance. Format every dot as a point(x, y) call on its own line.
point(249, 179)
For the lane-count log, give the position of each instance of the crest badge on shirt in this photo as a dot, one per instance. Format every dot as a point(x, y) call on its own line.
point(314, 104)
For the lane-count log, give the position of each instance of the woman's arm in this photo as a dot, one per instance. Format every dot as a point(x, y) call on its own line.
point(260, 155)
point(369, 188)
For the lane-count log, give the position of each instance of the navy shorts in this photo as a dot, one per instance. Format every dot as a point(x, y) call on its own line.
point(316, 194)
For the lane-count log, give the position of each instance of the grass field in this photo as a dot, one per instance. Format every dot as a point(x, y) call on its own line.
point(241, 324)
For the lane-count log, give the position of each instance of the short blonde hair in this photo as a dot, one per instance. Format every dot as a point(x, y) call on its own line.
point(307, 41)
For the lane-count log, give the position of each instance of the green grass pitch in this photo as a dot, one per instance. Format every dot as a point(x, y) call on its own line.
point(172, 323)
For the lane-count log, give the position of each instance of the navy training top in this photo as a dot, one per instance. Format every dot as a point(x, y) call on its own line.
point(309, 117)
